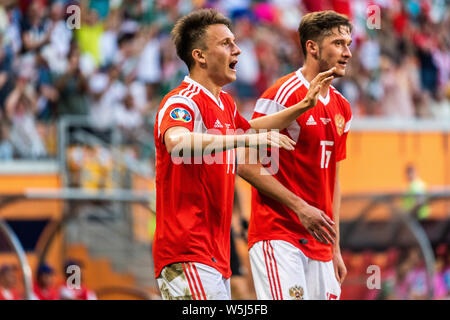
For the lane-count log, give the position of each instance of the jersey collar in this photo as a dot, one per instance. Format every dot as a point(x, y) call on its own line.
point(206, 91)
point(302, 79)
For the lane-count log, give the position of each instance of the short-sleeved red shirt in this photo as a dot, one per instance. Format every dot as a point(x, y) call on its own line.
point(194, 198)
point(308, 171)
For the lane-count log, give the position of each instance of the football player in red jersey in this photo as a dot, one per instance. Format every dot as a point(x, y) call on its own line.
point(196, 140)
point(290, 257)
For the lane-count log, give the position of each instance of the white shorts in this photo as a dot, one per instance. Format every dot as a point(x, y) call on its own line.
point(282, 272)
point(192, 281)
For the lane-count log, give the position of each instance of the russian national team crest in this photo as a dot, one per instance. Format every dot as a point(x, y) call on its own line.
point(296, 292)
point(180, 114)
point(339, 120)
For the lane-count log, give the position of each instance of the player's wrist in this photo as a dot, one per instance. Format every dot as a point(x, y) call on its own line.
point(251, 140)
point(336, 248)
point(298, 205)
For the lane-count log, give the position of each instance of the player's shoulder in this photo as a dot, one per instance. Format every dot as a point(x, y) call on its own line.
point(339, 96)
point(226, 97)
point(282, 87)
point(183, 94)
point(340, 100)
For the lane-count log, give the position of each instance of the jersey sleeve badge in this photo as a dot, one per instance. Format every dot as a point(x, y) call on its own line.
point(181, 114)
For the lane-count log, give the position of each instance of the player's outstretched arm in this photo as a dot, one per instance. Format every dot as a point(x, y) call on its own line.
point(179, 140)
point(283, 118)
point(318, 224)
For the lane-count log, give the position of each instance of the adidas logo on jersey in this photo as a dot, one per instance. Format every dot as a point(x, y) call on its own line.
point(217, 124)
point(311, 121)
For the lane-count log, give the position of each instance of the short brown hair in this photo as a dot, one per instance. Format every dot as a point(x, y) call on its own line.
point(189, 31)
point(317, 25)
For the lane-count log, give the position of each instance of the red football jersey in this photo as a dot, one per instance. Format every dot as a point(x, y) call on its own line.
point(308, 171)
point(194, 197)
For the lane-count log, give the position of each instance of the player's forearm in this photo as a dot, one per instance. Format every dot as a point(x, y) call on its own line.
point(207, 143)
point(281, 119)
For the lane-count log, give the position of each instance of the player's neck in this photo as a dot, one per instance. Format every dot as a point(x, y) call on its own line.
point(310, 71)
point(206, 82)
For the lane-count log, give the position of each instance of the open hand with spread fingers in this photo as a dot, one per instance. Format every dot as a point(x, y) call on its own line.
point(316, 84)
point(273, 138)
point(318, 224)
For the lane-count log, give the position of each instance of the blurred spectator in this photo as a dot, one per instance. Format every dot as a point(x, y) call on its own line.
point(10, 16)
point(70, 291)
point(397, 87)
point(248, 70)
point(73, 87)
point(107, 91)
point(36, 28)
point(389, 276)
point(89, 35)
point(56, 52)
point(416, 193)
point(108, 39)
point(48, 94)
point(149, 64)
point(440, 287)
point(90, 167)
point(6, 72)
point(44, 288)
point(21, 108)
point(446, 272)
point(127, 116)
point(440, 109)
point(8, 283)
point(6, 148)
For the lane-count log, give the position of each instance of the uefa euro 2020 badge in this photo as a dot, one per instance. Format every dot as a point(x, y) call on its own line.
point(296, 292)
point(180, 114)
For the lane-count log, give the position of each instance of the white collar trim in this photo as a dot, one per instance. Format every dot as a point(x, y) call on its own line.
point(302, 78)
point(195, 83)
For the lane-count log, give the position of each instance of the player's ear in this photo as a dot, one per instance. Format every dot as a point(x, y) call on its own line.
point(312, 49)
point(199, 57)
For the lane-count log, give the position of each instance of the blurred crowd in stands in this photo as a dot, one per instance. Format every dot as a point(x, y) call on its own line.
point(46, 284)
point(118, 65)
point(403, 276)
point(403, 273)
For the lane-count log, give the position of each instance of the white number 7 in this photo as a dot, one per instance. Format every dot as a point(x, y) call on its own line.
point(326, 154)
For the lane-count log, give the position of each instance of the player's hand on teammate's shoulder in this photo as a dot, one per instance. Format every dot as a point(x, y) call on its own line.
point(316, 84)
point(318, 224)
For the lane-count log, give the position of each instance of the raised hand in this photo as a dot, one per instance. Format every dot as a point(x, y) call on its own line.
point(316, 84)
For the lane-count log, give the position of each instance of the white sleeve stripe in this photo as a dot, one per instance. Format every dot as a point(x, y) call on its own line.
point(348, 125)
point(287, 90)
point(279, 92)
point(187, 89)
point(291, 92)
point(194, 93)
point(267, 106)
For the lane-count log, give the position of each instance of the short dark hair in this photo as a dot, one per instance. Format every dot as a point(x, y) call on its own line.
point(189, 31)
point(317, 25)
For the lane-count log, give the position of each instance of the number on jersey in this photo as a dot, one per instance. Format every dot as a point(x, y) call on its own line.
point(326, 154)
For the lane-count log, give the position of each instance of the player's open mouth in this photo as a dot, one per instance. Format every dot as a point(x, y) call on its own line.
point(233, 65)
point(342, 63)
